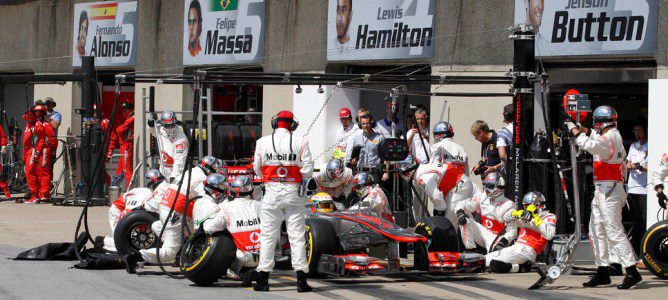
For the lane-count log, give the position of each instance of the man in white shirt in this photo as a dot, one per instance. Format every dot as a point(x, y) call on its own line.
point(636, 163)
point(418, 137)
point(504, 137)
point(384, 126)
point(347, 129)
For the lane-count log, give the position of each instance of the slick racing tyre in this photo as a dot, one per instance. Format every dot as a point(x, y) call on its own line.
point(441, 234)
point(134, 233)
point(321, 239)
point(654, 247)
point(205, 258)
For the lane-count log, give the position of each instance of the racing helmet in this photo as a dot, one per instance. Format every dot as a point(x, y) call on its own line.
point(335, 168)
point(104, 124)
point(241, 186)
point(407, 168)
point(168, 121)
point(153, 178)
point(494, 185)
point(322, 203)
point(604, 117)
point(209, 165)
point(216, 186)
point(534, 198)
point(360, 183)
point(443, 130)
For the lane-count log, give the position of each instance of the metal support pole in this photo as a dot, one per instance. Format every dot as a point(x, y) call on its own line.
point(144, 133)
point(523, 127)
point(209, 120)
point(94, 152)
point(200, 119)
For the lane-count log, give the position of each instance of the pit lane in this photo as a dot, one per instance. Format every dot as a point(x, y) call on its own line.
point(25, 226)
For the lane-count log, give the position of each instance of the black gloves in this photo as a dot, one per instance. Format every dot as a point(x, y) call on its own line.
point(341, 198)
point(461, 217)
point(503, 243)
point(663, 200)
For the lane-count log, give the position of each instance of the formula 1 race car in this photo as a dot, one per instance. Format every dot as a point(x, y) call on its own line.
point(348, 243)
point(361, 243)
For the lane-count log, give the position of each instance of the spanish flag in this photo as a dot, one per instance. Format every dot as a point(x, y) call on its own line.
point(104, 11)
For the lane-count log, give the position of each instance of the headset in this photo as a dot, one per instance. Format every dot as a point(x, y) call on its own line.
point(370, 116)
point(274, 124)
point(293, 122)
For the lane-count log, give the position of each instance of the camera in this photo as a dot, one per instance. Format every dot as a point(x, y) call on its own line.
point(481, 168)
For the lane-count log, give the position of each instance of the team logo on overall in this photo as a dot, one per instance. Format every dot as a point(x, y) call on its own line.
point(282, 172)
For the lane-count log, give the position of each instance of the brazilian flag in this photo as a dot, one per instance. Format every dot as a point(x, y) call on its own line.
point(223, 5)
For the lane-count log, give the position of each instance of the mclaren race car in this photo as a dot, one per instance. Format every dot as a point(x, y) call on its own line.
point(359, 242)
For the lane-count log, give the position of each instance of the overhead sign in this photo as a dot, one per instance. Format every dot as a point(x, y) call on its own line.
point(223, 32)
point(105, 30)
point(380, 29)
point(591, 27)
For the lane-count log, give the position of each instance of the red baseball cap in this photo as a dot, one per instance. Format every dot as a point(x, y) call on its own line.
point(344, 113)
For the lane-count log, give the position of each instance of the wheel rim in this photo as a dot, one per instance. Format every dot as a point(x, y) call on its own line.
point(661, 249)
point(194, 250)
point(142, 237)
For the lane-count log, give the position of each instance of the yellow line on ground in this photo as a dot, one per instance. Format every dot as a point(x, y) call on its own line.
point(286, 277)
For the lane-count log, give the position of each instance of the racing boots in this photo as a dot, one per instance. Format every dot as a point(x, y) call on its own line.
point(247, 277)
point(616, 270)
point(262, 283)
point(302, 285)
point(602, 277)
point(632, 277)
point(131, 261)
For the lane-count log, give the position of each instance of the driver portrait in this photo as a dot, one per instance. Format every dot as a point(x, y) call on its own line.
point(535, 16)
point(344, 14)
point(83, 33)
point(194, 27)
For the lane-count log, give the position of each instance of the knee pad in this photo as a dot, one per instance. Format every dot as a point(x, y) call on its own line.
point(497, 266)
point(526, 267)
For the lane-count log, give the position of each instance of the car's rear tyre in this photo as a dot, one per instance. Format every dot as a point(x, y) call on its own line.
point(133, 232)
point(321, 239)
point(654, 246)
point(205, 258)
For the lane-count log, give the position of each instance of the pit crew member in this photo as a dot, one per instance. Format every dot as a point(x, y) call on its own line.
point(536, 228)
point(334, 179)
point(606, 231)
point(494, 209)
point(284, 162)
point(371, 196)
point(240, 216)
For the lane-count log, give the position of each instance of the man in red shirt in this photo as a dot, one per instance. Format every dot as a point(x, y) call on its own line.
point(44, 171)
point(126, 137)
point(113, 144)
point(33, 145)
point(3, 180)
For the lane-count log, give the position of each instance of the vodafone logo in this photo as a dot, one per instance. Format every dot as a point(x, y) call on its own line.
point(282, 172)
point(489, 224)
point(254, 237)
